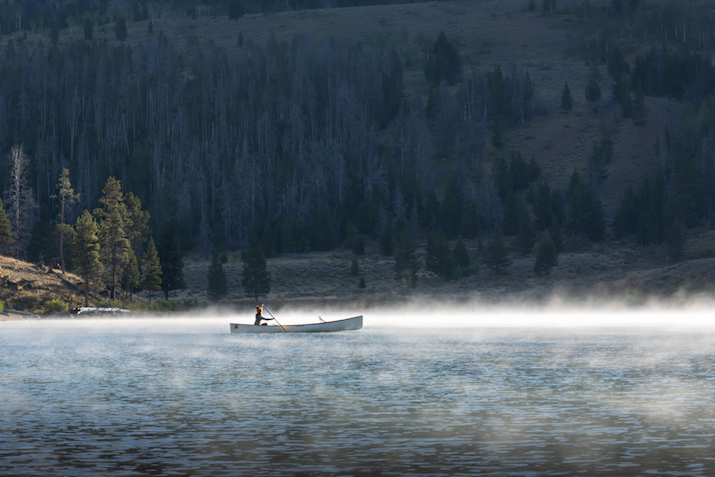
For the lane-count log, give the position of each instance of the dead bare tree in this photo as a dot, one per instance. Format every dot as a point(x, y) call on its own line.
point(20, 199)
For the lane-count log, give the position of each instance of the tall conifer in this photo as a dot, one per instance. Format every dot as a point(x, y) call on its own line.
point(5, 229)
point(496, 256)
point(152, 269)
point(217, 285)
point(115, 246)
point(256, 279)
point(66, 194)
point(87, 249)
point(172, 266)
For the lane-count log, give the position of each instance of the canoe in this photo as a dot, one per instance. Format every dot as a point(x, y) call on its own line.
point(354, 323)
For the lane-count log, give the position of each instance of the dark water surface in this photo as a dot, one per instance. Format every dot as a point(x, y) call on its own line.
point(185, 397)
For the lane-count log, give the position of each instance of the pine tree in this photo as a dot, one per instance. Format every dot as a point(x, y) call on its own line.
point(593, 90)
point(439, 256)
point(387, 240)
point(407, 263)
point(354, 267)
point(526, 236)
point(639, 112)
point(496, 138)
point(87, 260)
point(555, 233)
point(585, 211)
point(542, 206)
point(120, 29)
point(496, 256)
point(66, 194)
point(130, 274)
point(6, 237)
point(546, 255)
point(152, 269)
point(235, 9)
point(256, 279)
point(115, 245)
point(566, 100)
point(137, 225)
point(172, 266)
point(217, 285)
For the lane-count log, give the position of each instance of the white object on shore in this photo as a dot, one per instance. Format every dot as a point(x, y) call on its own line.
point(354, 323)
point(97, 310)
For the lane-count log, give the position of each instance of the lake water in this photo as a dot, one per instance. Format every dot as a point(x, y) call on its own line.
point(185, 397)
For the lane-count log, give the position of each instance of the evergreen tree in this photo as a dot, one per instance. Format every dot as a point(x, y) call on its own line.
point(42, 242)
point(358, 247)
point(622, 95)
point(120, 29)
point(256, 279)
point(443, 62)
point(172, 266)
point(512, 213)
point(217, 285)
point(137, 225)
point(387, 240)
point(496, 256)
point(526, 236)
point(354, 267)
point(87, 260)
point(496, 138)
point(542, 206)
point(150, 28)
point(585, 211)
point(555, 233)
point(439, 256)
point(152, 269)
point(130, 274)
point(235, 9)
point(549, 5)
point(566, 100)
point(639, 112)
point(55, 32)
point(66, 194)
point(593, 90)
point(115, 245)
point(547, 255)
point(407, 263)
point(6, 236)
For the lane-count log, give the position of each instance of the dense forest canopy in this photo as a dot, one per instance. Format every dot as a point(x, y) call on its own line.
point(305, 143)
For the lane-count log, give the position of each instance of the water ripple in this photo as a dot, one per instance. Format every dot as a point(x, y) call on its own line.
point(104, 398)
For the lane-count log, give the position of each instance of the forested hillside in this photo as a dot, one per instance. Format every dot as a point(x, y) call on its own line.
point(306, 141)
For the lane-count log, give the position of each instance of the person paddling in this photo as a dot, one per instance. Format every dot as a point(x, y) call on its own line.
point(259, 316)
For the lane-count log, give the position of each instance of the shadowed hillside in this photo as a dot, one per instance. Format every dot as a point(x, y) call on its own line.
point(308, 130)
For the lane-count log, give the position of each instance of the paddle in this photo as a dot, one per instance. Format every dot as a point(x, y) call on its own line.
point(275, 319)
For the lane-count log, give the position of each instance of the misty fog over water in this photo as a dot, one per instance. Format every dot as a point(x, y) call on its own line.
point(185, 397)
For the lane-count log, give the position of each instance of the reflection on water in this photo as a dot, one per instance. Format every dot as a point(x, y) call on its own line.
point(166, 398)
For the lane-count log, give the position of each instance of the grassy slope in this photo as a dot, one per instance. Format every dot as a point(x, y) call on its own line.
point(488, 33)
point(26, 287)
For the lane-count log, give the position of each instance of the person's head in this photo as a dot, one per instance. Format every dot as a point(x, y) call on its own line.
point(259, 309)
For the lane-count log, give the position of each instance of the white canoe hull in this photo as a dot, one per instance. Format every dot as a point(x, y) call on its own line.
point(354, 323)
